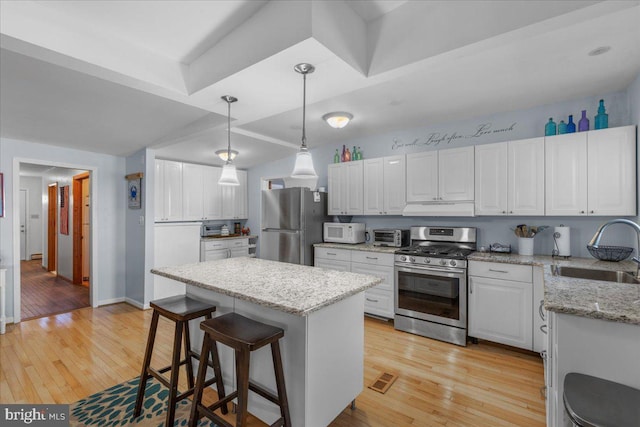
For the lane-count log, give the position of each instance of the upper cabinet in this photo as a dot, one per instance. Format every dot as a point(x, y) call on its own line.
point(443, 175)
point(168, 191)
point(509, 178)
point(591, 173)
point(384, 185)
point(345, 188)
point(234, 198)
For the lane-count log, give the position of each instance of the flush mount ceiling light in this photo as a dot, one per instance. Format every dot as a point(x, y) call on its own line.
point(338, 119)
point(599, 50)
point(229, 175)
point(224, 154)
point(303, 167)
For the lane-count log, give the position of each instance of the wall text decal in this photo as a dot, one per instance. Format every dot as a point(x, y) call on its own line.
point(437, 138)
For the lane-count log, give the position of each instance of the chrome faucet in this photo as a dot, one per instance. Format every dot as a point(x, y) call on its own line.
point(595, 240)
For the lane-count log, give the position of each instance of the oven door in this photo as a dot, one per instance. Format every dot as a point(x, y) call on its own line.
point(432, 293)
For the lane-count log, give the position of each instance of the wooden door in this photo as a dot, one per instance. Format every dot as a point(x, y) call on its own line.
point(52, 228)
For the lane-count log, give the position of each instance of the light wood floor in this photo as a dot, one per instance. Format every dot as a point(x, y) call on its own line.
point(66, 357)
point(42, 293)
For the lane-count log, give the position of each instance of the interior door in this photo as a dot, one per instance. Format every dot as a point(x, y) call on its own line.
point(23, 225)
point(86, 200)
point(52, 227)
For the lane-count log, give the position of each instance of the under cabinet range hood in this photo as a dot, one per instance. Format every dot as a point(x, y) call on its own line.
point(439, 209)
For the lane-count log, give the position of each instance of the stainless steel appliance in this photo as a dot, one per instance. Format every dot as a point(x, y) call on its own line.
point(431, 283)
point(391, 237)
point(292, 221)
point(344, 232)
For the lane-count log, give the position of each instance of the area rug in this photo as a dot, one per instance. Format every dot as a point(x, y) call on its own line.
point(114, 407)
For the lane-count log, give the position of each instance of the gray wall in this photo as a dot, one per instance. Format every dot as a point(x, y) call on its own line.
point(622, 108)
point(135, 233)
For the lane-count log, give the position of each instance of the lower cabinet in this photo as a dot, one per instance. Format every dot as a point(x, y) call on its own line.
point(379, 299)
point(501, 304)
point(223, 248)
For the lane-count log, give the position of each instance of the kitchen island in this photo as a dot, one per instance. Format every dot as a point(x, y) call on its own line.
point(320, 311)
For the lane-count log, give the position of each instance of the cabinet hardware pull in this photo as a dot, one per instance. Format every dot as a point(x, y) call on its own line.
point(543, 392)
point(510, 211)
point(331, 253)
point(504, 212)
point(435, 198)
point(498, 271)
point(592, 212)
point(372, 257)
point(581, 212)
point(543, 328)
point(540, 309)
point(543, 354)
point(380, 213)
point(372, 300)
point(470, 287)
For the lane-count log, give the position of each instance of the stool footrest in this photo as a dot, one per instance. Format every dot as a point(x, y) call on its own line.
point(279, 422)
point(203, 410)
point(263, 392)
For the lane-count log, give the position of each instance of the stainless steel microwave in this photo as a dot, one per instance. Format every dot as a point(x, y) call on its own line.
point(391, 237)
point(344, 232)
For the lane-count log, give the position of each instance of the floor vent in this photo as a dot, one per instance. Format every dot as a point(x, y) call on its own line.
point(383, 382)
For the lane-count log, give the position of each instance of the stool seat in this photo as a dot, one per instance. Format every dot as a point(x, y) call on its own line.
point(595, 402)
point(182, 307)
point(235, 330)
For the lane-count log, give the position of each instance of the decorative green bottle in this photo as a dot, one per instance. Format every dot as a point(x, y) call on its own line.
point(562, 127)
point(602, 118)
point(336, 157)
point(359, 153)
point(550, 128)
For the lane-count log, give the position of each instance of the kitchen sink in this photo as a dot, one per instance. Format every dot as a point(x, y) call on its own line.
point(587, 273)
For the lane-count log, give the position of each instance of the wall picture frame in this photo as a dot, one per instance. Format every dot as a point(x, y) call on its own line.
point(134, 190)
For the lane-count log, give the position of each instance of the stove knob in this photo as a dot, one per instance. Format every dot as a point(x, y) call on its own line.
point(403, 258)
point(427, 260)
point(453, 263)
point(443, 262)
point(412, 259)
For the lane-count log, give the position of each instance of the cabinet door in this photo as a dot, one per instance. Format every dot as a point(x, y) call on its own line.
point(172, 187)
point(611, 156)
point(334, 178)
point(352, 188)
point(332, 264)
point(158, 191)
point(394, 185)
point(212, 198)
point(455, 174)
point(422, 177)
point(566, 174)
point(192, 192)
point(373, 186)
point(491, 179)
point(526, 177)
point(241, 210)
point(500, 311)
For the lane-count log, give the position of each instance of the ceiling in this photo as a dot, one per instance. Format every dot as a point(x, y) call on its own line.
point(115, 77)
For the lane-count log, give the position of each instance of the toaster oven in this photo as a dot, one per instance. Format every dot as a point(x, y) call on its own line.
point(391, 237)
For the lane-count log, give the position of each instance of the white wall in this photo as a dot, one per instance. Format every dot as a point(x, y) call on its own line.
point(519, 124)
point(108, 208)
point(33, 185)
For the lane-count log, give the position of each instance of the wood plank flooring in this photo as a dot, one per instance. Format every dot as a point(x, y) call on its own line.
point(66, 357)
point(43, 293)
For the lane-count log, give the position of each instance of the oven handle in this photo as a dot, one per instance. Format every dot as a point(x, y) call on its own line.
point(434, 269)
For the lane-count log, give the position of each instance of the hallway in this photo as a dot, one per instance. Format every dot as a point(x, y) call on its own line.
point(44, 294)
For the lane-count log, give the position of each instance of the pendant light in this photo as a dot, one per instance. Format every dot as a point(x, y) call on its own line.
point(303, 167)
point(229, 175)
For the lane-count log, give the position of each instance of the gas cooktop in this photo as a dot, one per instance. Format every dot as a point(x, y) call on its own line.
point(436, 251)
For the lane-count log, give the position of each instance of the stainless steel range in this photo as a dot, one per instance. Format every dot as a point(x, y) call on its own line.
point(431, 283)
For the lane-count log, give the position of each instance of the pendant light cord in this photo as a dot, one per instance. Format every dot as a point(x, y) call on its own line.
point(228, 131)
point(304, 110)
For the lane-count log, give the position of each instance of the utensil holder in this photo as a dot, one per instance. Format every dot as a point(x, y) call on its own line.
point(525, 245)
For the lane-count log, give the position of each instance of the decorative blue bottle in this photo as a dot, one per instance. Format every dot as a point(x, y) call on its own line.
point(602, 118)
point(562, 127)
point(550, 128)
point(571, 127)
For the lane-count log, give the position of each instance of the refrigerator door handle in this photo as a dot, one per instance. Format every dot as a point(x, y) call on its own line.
point(280, 230)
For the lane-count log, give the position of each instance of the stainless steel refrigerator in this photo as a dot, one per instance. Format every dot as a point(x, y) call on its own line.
point(292, 221)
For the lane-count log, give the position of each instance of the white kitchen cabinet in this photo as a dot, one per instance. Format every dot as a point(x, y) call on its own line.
point(221, 248)
point(201, 193)
point(234, 198)
point(168, 191)
point(501, 303)
point(211, 194)
point(509, 178)
point(591, 173)
point(345, 188)
point(384, 185)
point(443, 175)
point(173, 244)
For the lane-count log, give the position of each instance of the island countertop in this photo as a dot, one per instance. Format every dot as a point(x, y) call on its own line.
point(618, 302)
point(291, 288)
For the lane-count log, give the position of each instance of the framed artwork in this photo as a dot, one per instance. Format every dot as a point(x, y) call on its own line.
point(134, 190)
point(1, 195)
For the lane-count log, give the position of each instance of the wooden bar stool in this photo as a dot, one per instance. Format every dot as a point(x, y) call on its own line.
point(179, 309)
point(244, 336)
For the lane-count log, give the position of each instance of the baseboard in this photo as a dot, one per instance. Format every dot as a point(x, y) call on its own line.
point(137, 304)
point(110, 301)
point(66, 279)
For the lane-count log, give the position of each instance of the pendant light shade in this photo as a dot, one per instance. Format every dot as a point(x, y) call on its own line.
point(229, 174)
point(303, 167)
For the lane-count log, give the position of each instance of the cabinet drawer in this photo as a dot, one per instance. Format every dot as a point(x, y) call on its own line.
point(331, 253)
point(378, 303)
point(332, 264)
point(238, 243)
point(212, 245)
point(383, 272)
point(497, 270)
point(376, 258)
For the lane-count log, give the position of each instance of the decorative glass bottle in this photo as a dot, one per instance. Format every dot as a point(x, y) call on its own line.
point(347, 156)
point(583, 124)
point(550, 128)
point(562, 127)
point(359, 153)
point(571, 127)
point(336, 157)
point(344, 153)
point(354, 154)
point(602, 118)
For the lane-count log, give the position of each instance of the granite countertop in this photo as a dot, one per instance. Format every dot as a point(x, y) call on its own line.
point(228, 237)
point(598, 299)
point(368, 247)
point(291, 288)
